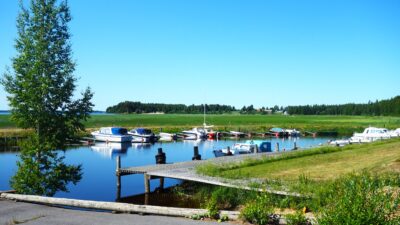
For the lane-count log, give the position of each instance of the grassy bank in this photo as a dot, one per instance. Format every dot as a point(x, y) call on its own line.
point(225, 122)
point(356, 184)
point(321, 164)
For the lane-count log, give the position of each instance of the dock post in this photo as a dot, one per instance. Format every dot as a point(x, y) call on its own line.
point(118, 173)
point(161, 159)
point(146, 184)
point(146, 188)
point(196, 155)
point(161, 186)
point(277, 147)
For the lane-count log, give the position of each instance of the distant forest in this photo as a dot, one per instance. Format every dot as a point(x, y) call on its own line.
point(389, 107)
point(138, 107)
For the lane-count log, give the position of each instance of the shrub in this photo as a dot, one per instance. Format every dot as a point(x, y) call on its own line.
point(259, 211)
point(212, 208)
point(362, 199)
point(297, 219)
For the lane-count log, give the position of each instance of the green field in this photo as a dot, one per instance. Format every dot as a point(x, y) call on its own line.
point(325, 163)
point(226, 122)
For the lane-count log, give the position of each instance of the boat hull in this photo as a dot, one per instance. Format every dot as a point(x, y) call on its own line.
point(143, 139)
point(111, 137)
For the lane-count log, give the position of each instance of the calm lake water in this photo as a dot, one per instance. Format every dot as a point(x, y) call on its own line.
point(99, 164)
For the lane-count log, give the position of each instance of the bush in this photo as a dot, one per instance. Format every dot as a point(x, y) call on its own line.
point(212, 207)
point(297, 219)
point(362, 199)
point(259, 211)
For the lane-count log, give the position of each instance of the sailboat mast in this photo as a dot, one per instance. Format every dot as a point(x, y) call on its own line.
point(204, 115)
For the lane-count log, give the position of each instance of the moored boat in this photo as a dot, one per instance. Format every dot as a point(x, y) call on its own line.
point(342, 142)
point(395, 133)
point(142, 135)
point(372, 133)
point(194, 134)
point(112, 134)
point(167, 136)
point(279, 132)
point(247, 147)
point(211, 134)
point(360, 140)
point(292, 132)
point(236, 134)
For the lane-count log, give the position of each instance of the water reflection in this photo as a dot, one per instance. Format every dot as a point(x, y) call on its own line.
point(141, 145)
point(99, 166)
point(111, 149)
point(41, 171)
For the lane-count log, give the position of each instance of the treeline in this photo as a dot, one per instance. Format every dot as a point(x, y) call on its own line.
point(138, 107)
point(390, 107)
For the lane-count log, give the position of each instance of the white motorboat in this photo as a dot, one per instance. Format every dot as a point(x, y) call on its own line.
point(194, 134)
point(112, 134)
point(167, 136)
point(360, 140)
point(142, 135)
point(236, 133)
point(342, 142)
point(372, 133)
point(293, 132)
point(395, 133)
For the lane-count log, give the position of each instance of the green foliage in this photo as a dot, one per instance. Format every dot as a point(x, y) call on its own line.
point(42, 84)
point(212, 207)
point(138, 107)
point(40, 89)
point(223, 218)
point(41, 171)
point(198, 217)
point(378, 108)
point(362, 199)
point(297, 219)
point(259, 211)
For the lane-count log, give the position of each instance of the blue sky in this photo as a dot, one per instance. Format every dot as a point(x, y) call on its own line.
point(265, 53)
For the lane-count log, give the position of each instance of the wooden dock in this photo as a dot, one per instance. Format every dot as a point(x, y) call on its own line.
point(187, 171)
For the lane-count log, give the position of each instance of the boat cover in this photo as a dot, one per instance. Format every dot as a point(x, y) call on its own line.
point(119, 131)
point(143, 131)
point(277, 130)
point(263, 146)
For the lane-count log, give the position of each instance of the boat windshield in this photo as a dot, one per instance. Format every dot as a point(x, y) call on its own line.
point(143, 131)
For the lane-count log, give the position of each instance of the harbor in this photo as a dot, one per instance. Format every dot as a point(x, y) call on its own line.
point(99, 163)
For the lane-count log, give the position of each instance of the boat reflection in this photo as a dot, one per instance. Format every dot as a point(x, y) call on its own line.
point(111, 149)
point(141, 145)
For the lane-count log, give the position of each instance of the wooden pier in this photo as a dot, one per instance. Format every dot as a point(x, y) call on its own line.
point(187, 171)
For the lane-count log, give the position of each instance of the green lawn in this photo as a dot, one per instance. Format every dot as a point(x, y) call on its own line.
point(383, 156)
point(177, 122)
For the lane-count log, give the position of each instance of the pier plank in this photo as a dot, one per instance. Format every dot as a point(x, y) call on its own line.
point(187, 171)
